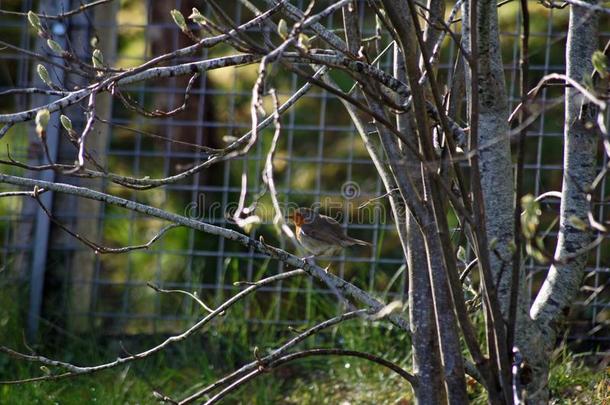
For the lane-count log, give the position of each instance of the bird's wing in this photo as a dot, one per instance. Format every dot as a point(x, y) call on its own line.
point(330, 226)
point(321, 233)
point(328, 220)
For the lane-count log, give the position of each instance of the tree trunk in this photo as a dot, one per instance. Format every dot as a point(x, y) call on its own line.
point(579, 161)
point(494, 144)
point(426, 356)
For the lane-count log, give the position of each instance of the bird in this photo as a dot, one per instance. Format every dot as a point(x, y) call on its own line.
point(321, 235)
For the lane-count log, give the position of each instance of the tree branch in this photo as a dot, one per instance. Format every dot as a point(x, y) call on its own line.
point(347, 289)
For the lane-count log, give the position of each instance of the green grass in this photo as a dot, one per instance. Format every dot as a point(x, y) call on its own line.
point(229, 343)
point(573, 383)
point(192, 365)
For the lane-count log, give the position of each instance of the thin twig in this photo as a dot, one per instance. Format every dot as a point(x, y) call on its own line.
point(312, 353)
point(98, 249)
point(193, 296)
point(77, 10)
point(81, 370)
point(278, 219)
point(21, 193)
point(275, 354)
point(347, 289)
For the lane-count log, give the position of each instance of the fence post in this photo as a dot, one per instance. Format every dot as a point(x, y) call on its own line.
point(43, 222)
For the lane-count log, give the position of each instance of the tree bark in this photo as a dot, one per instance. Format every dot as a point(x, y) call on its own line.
point(426, 356)
point(494, 144)
point(446, 319)
point(579, 161)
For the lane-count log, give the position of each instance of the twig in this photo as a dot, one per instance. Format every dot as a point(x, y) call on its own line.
point(34, 90)
point(21, 193)
point(5, 129)
point(313, 353)
point(274, 355)
point(588, 6)
point(123, 79)
point(558, 76)
point(468, 269)
point(231, 151)
point(347, 289)
point(98, 249)
point(78, 370)
point(268, 172)
point(193, 296)
point(384, 195)
point(60, 16)
point(549, 194)
point(47, 60)
point(132, 104)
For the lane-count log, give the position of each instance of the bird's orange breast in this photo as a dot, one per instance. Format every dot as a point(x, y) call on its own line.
point(298, 219)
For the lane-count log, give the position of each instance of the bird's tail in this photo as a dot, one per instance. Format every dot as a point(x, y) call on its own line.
point(354, 241)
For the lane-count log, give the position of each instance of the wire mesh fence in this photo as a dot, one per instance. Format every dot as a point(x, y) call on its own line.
point(320, 160)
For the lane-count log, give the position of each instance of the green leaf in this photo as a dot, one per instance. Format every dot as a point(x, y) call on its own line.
point(282, 28)
point(304, 41)
point(197, 17)
point(600, 63)
point(43, 73)
point(539, 242)
point(66, 122)
point(179, 19)
point(530, 215)
point(461, 254)
point(98, 59)
point(34, 20)
point(55, 47)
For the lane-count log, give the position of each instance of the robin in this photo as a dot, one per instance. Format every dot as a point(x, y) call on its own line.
point(321, 235)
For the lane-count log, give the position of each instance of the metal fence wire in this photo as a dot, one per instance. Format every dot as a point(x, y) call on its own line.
point(319, 160)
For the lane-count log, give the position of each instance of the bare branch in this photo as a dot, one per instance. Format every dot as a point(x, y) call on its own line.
point(275, 354)
point(22, 193)
point(153, 73)
point(74, 370)
point(278, 219)
point(191, 295)
point(80, 9)
point(345, 288)
point(263, 368)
